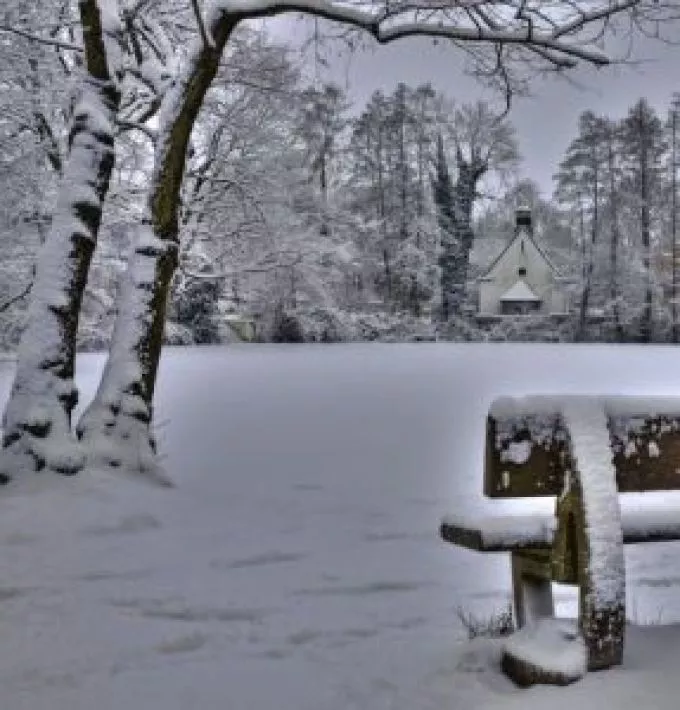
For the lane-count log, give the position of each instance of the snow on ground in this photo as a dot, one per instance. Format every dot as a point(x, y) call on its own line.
point(297, 564)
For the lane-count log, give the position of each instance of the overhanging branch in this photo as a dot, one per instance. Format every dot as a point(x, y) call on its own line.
point(551, 40)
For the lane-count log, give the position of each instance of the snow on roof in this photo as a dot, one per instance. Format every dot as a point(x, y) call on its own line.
point(520, 292)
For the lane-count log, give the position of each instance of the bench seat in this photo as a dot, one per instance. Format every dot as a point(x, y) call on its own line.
point(645, 517)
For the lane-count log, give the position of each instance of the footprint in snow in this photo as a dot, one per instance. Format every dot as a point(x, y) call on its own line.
point(183, 644)
point(362, 589)
point(129, 524)
point(267, 558)
point(178, 611)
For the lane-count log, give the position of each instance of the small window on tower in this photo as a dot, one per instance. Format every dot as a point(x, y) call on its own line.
point(522, 271)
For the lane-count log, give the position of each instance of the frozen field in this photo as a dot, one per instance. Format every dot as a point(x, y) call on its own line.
point(297, 563)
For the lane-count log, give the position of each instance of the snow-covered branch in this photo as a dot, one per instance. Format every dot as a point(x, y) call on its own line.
point(460, 21)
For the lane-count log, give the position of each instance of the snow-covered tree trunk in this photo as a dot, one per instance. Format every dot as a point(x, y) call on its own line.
point(37, 420)
point(116, 427)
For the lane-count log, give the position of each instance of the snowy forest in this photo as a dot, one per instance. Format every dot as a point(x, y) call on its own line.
point(306, 217)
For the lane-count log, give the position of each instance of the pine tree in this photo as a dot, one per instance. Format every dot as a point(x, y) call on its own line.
point(643, 147)
point(579, 181)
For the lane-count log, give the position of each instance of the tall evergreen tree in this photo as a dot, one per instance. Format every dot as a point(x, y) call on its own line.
point(321, 122)
point(674, 126)
point(580, 178)
point(643, 146)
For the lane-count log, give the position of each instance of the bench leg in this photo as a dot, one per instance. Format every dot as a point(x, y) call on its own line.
point(603, 630)
point(532, 591)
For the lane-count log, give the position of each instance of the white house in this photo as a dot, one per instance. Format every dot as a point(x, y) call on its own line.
point(522, 280)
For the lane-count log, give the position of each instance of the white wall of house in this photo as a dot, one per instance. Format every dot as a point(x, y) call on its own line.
point(538, 275)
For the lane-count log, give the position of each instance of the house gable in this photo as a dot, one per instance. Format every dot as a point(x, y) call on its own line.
point(521, 248)
point(522, 274)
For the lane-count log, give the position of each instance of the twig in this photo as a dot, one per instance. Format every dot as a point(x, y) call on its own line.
point(205, 36)
point(22, 294)
point(41, 40)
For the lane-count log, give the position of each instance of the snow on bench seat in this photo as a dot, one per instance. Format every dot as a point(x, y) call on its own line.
point(499, 533)
point(645, 517)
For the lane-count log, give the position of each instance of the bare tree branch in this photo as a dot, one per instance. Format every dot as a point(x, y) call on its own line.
point(40, 40)
point(126, 125)
point(14, 299)
point(205, 36)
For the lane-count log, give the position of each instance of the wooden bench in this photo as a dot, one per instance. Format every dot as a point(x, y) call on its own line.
point(584, 451)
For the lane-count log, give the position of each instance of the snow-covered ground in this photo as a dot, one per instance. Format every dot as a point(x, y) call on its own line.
point(297, 563)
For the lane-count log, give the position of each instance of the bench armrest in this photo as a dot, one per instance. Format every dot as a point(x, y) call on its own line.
point(499, 533)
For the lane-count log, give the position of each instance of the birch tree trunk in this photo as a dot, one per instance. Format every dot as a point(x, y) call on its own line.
point(116, 427)
point(37, 420)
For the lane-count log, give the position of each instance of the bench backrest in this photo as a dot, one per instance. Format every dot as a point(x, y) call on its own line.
point(528, 452)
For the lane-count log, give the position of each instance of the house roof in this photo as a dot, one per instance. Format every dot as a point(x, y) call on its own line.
point(520, 292)
point(524, 234)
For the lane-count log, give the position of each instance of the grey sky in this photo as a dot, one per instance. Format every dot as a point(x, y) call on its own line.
point(546, 121)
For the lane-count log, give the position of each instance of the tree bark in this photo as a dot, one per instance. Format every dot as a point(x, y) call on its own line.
point(37, 420)
point(116, 427)
point(614, 243)
point(588, 282)
point(323, 229)
point(381, 215)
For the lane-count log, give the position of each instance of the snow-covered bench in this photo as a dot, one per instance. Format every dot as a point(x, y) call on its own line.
point(612, 466)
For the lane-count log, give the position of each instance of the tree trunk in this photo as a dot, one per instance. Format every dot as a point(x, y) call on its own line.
point(674, 231)
point(614, 243)
point(116, 426)
point(37, 420)
point(646, 330)
point(588, 282)
point(323, 230)
point(582, 232)
point(381, 216)
point(403, 167)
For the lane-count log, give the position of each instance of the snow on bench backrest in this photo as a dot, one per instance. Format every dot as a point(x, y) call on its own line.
point(527, 444)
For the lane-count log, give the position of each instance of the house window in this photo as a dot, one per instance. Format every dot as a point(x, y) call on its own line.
point(522, 271)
